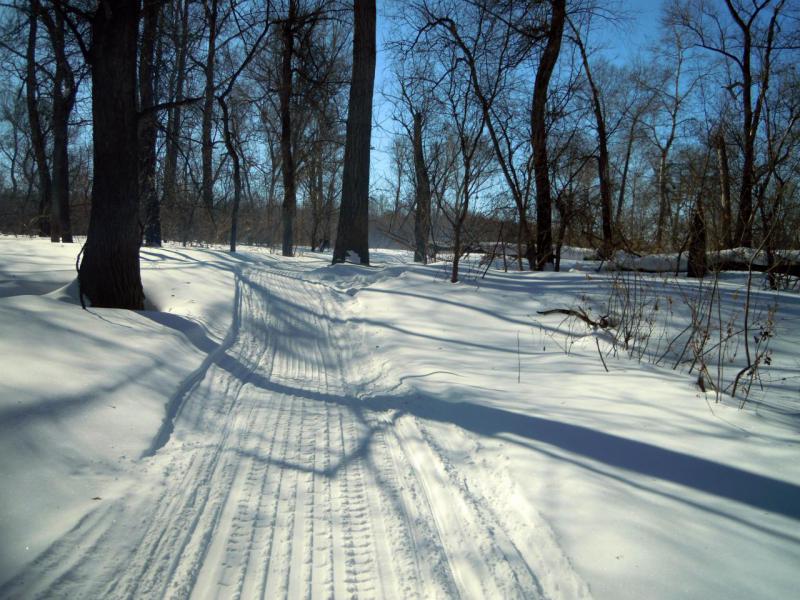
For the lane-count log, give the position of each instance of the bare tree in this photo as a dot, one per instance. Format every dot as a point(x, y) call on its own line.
point(287, 157)
point(696, 259)
point(603, 172)
point(490, 47)
point(544, 241)
point(725, 186)
point(422, 195)
point(748, 53)
point(472, 155)
point(109, 274)
point(180, 41)
point(639, 104)
point(670, 88)
point(37, 135)
point(65, 89)
point(414, 111)
point(148, 124)
point(211, 8)
point(229, 123)
point(353, 231)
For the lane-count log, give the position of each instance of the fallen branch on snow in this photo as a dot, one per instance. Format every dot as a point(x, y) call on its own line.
point(603, 322)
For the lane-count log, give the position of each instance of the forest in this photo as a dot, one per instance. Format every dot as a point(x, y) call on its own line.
point(396, 299)
point(508, 127)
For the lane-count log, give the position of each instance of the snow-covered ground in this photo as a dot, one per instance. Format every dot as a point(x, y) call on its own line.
point(279, 427)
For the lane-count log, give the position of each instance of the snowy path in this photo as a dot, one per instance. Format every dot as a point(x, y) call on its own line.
point(289, 475)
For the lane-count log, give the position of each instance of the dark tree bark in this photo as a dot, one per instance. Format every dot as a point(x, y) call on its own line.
point(64, 91)
point(696, 263)
point(663, 197)
point(422, 215)
point(207, 146)
point(467, 153)
point(37, 136)
point(623, 184)
point(289, 208)
point(725, 190)
point(353, 230)
point(109, 274)
point(744, 224)
point(229, 133)
point(329, 208)
point(544, 204)
point(174, 115)
point(148, 126)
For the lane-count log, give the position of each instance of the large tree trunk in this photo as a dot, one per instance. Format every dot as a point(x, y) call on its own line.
point(37, 136)
point(147, 127)
point(207, 146)
point(544, 204)
point(109, 274)
point(422, 216)
point(289, 208)
point(353, 231)
point(63, 100)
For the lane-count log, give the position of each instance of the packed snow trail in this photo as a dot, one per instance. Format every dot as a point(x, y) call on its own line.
point(282, 478)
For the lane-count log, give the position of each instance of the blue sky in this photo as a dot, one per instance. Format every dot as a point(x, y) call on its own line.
point(638, 29)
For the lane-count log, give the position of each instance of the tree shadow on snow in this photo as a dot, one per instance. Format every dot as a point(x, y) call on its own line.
point(603, 453)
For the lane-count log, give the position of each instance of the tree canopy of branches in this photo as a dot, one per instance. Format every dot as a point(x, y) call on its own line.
point(500, 126)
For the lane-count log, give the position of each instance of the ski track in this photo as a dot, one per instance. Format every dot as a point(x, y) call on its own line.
point(279, 481)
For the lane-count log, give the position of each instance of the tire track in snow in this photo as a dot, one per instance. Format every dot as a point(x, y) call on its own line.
point(479, 550)
point(81, 574)
point(186, 564)
point(280, 480)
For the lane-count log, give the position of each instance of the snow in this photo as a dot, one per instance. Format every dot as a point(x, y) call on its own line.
point(84, 392)
point(668, 262)
point(281, 427)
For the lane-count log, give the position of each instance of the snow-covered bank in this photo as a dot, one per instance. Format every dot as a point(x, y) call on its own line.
point(372, 431)
point(84, 393)
point(650, 488)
